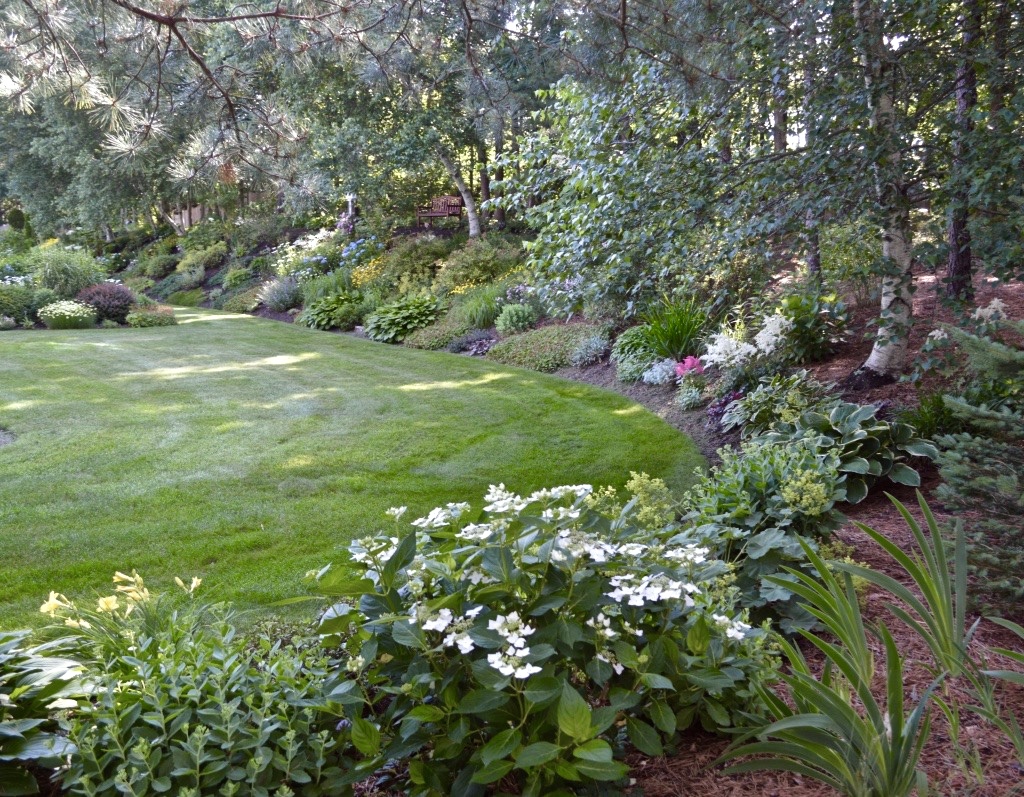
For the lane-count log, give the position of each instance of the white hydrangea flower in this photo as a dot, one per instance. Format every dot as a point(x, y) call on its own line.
point(510, 662)
point(397, 511)
point(689, 554)
point(512, 628)
point(938, 335)
point(501, 500)
point(476, 531)
point(734, 629)
point(439, 622)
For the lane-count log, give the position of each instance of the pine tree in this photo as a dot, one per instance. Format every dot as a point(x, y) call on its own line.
point(983, 474)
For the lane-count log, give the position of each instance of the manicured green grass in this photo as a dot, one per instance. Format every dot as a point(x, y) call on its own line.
point(247, 452)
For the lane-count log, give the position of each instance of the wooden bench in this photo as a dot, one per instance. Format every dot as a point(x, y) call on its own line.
point(440, 207)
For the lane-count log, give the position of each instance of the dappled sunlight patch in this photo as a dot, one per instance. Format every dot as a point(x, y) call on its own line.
point(452, 384)
point(636, 409)
point(20, 405)
point(302, 461)
point(230, 426)
point(192, 318)
point(194, 370)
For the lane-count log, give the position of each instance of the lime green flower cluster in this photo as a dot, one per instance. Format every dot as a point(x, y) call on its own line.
point(808, 494)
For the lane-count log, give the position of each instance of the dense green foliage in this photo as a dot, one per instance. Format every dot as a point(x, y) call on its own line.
point(517, 648)
point(393, 322)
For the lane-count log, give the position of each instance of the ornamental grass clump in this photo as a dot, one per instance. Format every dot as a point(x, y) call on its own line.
point(68, 315)
point(534, 643)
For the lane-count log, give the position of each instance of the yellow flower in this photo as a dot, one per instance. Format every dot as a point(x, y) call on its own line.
point(108, 604)
point(191, 587)
point(53, 603)
point(77, 623)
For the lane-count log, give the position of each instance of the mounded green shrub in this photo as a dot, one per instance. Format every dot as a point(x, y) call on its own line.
point(546, 349)
point(16, 299)
point(190, 298)
point(515, 318)
point(438, 335)
point(482, 260)
point(203, 259)
point(152, 316)
point(243, 302)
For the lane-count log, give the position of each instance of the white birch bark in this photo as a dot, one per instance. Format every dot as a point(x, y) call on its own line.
point(892, 342)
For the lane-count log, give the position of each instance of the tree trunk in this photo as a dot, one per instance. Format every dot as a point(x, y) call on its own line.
point(485, 182)
point(812, 242)
point(472, 215)
point(892, 341)
point(499, 172)
point(958, 269)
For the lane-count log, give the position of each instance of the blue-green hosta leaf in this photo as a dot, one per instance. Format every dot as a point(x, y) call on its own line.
point(904, 474)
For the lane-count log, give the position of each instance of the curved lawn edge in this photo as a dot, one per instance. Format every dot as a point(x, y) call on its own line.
point(246, 451)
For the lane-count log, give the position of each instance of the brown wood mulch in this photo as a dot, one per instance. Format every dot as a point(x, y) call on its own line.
point(691, 770)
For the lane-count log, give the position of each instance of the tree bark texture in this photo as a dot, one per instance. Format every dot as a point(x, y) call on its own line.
point(958, 267)
point(889, 352)
point(472, 214)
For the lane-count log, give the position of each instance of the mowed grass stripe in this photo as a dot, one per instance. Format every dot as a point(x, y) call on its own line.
point(246, 451)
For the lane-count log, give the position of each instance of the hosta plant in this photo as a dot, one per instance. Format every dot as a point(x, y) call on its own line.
point(34, 683)
point(68, 314)
point(756, 508)
point(393, 322)
point(341, 311)
point(867, 446)
point(776, 398)
point(534, 644)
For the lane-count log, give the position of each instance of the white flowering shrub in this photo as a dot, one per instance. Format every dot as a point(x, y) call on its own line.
point(772, 335)
point(534, 643)
point(68, 315)
point(725, 350)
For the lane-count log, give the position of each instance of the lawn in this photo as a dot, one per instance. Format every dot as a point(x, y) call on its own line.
point(246, 452)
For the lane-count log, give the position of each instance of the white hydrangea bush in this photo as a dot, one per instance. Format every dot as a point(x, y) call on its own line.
point(549, 621)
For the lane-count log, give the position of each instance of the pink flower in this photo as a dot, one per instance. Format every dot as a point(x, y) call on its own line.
point(691, 365)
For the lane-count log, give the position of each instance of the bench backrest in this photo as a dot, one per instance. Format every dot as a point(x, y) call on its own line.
point(452, 204)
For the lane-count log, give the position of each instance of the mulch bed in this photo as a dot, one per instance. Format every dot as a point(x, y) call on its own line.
point(691, 769)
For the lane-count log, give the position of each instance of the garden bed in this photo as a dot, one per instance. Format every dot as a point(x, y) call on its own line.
point(691, 769)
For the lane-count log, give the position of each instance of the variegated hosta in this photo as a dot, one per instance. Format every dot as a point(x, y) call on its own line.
point(534, 641)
